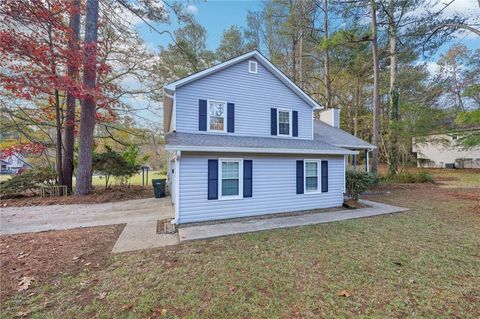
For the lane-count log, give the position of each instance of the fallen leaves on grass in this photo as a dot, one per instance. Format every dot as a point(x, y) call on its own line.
point(476, 209)
point(127, 307)
point(22, 254)
point(344, 293)
point(102, 295)
point(25, 283)
point(159, 312)
point(22, 314)
point(467, 196)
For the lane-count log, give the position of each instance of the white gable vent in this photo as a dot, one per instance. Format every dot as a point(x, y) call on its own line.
point(252, 67)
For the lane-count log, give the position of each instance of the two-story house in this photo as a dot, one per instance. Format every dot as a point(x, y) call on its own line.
point(240, 137)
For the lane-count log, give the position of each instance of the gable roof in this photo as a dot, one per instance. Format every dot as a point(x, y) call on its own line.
point(261, 59)
point(332, 135)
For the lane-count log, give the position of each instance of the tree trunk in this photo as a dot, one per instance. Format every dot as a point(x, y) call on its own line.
point(72, 73)
point(394, 94)
point(326, 59)
point(58, 146)
point(356, 106)
point(87, 118)
point(376, 87)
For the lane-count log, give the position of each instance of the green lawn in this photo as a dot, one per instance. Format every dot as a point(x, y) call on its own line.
point(424, 263)
point(135, 180)
point(100, 181)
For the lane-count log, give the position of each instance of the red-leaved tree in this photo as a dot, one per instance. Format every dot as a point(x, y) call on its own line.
point(42, 60)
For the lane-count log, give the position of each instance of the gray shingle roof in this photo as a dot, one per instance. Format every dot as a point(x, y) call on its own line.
point(212, 142)
point(338, 137)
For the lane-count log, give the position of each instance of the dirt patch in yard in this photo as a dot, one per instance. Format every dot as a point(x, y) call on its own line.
point(47, 254)
point(475, 196)
point(100, 195)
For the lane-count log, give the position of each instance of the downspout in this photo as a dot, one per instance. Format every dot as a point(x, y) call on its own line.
point(345, 163)
point(177, 188)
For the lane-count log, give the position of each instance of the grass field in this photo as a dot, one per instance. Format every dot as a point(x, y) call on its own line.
point(99, 180)
point(424, 263)
point(134, 180)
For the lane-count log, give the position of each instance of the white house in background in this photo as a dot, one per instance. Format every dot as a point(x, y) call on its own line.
point(242, 142)
point(444, 151)
point(12, 163)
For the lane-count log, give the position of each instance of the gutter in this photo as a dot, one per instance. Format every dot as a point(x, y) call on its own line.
point(358, 147)
point(258, 150)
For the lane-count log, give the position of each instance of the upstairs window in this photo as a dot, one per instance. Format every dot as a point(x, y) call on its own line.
point(216, 116)
point(284, 122)
point(252, 67)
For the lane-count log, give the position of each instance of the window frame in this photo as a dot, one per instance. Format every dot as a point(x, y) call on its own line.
point(224, 116)
point(240, 178)
point(290, 124)
point(251, 62)
point(319, 176)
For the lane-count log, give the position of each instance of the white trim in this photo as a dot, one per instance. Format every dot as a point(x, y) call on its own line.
point(224, 116)
point(313, 125)
point(257, 150)
point(174, 113)
point(177, 188)
point(252, 62)
point(319, 175)
point(260, 58)
point(345, 163)
point(290, 125)
point(240, 178)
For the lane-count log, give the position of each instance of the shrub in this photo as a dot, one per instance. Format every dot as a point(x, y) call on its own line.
point(358, 182)
point(30, 180)
point(408, 177)
point(111, 163)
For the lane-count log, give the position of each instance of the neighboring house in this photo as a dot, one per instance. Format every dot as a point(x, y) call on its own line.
point(12, 163)
point(241, 142)
point(444, 151)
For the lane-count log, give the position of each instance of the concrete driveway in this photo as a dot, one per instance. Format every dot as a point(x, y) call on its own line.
point(15, 220)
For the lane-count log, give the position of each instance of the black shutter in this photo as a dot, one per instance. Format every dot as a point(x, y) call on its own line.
point(299, 177)
point(295, 123)
point(212, 179)
point(230, 117)
point(247, 178)
point(273, 121)
point(324, 176)
point(202, 115)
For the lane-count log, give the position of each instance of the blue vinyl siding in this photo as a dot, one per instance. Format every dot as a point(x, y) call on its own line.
point(273, 187)
point(253, 95)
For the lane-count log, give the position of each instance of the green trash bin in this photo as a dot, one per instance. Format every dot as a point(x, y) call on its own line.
point(159, 187)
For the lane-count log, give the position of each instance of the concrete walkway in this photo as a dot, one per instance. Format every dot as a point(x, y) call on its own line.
point(142, 235)
point(141, 217)
point(253, 225)
point(15, 220)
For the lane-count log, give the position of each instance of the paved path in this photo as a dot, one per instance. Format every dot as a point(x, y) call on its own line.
point(14, 220)
point(253, 225)
point(142, 235)
point(141, 217)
